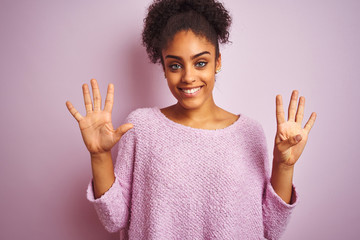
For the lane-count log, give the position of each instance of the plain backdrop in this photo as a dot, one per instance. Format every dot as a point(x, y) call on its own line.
point(48, 49)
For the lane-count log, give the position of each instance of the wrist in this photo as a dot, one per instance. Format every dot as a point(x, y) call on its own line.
point(100, 157)
point(283, 166)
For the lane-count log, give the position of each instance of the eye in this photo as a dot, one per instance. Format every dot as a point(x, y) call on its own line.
point(201, 64)
point(175, 66)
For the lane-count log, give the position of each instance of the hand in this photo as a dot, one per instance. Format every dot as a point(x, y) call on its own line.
point(96, 127)
point(291, 138)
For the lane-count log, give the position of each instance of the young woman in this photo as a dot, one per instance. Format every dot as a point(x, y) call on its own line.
point(191, 170)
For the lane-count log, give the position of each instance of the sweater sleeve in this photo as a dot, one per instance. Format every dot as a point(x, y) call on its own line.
point(113, 207)
point(276, 212)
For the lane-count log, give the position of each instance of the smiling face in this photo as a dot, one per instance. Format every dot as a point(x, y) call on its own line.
point(189, 67)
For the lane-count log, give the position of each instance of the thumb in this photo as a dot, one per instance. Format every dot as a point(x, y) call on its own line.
point(288, 143)
point(123, 129)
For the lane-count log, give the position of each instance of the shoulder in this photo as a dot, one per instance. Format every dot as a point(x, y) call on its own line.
point(144, 119)
point(251, 124)
point(252, 138)
point(250, 128)
point(140, 118)
point(141, 115)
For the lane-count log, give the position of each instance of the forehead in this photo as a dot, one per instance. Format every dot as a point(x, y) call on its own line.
point(187, 43)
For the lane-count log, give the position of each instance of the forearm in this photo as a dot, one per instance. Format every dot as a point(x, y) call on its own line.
point(281, 180)
point(103, 173)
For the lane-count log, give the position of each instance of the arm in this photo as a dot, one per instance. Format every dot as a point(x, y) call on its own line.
point(103, 173)
point(290, 141)
point(280, 196)
point(99, 135)
point(281, 181)
point(113, 207)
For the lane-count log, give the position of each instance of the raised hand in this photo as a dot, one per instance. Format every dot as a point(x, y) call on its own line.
point(291, 137)
point(96, 127)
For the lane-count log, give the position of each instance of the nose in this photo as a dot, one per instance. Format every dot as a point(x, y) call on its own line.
point(188, 75)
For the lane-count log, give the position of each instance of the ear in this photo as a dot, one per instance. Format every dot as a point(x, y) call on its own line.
point(218, 63)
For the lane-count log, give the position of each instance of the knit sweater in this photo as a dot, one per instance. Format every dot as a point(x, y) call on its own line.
point(177, 182)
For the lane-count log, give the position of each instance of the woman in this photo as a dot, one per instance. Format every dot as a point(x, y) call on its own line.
point(191, 170)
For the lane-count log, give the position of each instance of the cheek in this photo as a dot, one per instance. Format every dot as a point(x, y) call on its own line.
point(209, 78)
point(172, 84)
point(172, 79)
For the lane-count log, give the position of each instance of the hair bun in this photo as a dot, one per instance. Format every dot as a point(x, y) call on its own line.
point(160, 11)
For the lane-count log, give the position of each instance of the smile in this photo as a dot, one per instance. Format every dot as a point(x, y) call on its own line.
point(191, 90)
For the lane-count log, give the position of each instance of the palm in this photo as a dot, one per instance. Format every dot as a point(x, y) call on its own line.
point(97, 131)
point(96, 127)
point(287, 150)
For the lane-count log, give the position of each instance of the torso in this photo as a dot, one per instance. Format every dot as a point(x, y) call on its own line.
point(182, 177)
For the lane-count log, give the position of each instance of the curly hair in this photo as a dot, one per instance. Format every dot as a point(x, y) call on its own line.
point(207, 18)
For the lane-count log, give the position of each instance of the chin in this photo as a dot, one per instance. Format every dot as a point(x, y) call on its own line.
point(190, 105)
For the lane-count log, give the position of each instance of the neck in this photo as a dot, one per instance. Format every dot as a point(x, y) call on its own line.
point(204, 113)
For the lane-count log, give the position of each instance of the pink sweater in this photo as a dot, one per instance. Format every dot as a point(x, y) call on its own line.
point(178, 182)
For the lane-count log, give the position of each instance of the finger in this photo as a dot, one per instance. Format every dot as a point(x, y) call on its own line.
point(73, 111)
point(288, 143)
point(109, 101)
point(280, 117)
point(310, 122)
point(300, 110)
point(292, 106)
point(122, 130)
point(96, 95)
point(87, 98)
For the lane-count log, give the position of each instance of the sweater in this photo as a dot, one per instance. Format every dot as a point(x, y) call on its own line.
point(177, 182)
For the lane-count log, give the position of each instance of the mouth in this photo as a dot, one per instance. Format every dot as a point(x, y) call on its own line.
point(190, 91)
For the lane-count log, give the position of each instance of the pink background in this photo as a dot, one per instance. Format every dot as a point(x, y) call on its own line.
point(49, 48)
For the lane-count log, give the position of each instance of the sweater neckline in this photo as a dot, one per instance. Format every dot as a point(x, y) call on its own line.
point(168, 121)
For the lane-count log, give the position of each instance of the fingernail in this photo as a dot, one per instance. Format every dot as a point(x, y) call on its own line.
point(298, 138)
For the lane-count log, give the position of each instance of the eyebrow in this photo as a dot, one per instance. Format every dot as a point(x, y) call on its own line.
point(193, 57)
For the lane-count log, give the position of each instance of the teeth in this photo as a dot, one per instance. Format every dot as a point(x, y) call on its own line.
point(190, 91)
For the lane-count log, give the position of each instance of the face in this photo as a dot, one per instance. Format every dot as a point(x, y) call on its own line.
point(189, 67)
